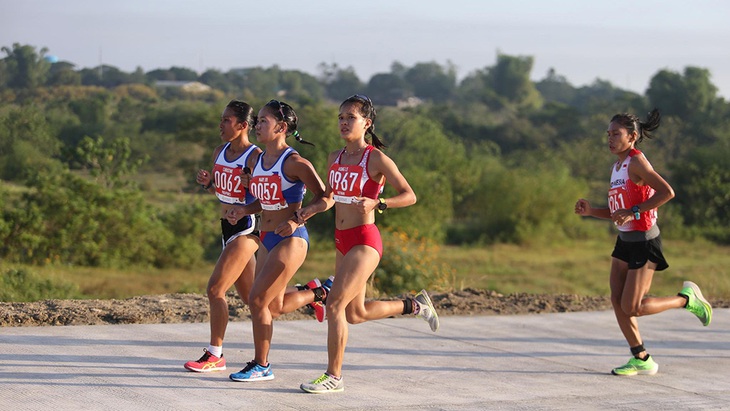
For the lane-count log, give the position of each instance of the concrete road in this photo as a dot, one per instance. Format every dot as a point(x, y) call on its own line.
point(524, 362)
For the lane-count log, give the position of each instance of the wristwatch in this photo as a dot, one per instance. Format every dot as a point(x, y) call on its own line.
point(381, 205)
point(637, 213)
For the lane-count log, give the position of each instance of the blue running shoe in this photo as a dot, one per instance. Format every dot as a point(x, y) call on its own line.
point(253, 372)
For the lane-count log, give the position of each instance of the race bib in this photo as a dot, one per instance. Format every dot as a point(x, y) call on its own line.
point(228, 185)
point(268, 191)
point(616, 199)
point(345, 182)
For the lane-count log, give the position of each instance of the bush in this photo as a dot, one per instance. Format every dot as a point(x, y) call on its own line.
point(519, 204)
point(17, 285)
point(408, 265)
point(67, 219)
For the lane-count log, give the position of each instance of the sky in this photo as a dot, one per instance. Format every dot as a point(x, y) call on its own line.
point(625, 42)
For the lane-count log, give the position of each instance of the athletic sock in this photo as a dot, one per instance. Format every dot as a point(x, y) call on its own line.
point(217, 351)
point(407, 306)
point(319, 294)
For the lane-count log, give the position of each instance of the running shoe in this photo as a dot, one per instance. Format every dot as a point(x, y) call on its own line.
point(253, 372)
point(696, 303)
point(319, 310)
point(207, 363)
point(324, 384)
point(426, 310)
point(636, 366)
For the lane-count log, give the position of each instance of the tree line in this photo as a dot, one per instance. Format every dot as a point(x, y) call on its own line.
point(97, 165)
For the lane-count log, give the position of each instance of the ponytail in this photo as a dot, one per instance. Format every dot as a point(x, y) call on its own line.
point(376, 142)
point(300, 139)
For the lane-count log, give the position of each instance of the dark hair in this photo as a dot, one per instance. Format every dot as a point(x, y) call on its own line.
point(367, 110)
point(243, 112)
point(632, 123)
point(285, 113)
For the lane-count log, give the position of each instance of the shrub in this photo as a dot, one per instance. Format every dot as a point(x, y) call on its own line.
point(409, 264)
point(17, 285)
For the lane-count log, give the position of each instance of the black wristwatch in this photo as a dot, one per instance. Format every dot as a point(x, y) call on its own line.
point(637, 213)
point(381, 205)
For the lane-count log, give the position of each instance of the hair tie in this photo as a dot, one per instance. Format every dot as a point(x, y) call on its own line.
point(300, 139)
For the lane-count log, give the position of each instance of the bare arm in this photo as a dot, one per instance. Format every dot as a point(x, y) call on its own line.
point(204, 177)
point(383, 166)
point(322, 204)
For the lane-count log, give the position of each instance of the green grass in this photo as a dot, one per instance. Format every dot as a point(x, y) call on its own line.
point(583, 267)
point(571, 268)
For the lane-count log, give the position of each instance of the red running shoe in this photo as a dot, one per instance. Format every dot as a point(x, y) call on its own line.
point(207, 363)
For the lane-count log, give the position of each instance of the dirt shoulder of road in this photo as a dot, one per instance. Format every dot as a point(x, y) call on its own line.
point(192, 308)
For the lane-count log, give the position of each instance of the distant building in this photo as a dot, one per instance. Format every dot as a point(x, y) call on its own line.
point(409, 102)
point(188, 86)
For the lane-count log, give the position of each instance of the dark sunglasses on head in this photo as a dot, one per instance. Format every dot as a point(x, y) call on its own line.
point(281, 108)
point(361, 97)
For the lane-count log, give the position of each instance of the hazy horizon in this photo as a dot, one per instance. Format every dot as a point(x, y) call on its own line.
point(620, 41)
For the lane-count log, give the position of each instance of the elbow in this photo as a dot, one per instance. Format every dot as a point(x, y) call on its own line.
point(670, 194)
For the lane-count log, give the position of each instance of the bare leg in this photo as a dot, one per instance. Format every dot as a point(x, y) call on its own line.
point(235, 266)
point(279, 266)
point(345, 303)
point(628, 288)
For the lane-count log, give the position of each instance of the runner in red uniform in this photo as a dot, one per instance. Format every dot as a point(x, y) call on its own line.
point(355, 180)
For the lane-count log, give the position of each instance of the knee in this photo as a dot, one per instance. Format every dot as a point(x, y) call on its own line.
point(215, 290)
point(334, 310)
point(256, 303)
point(275, 310)
point(632, 310)
point(355, 316)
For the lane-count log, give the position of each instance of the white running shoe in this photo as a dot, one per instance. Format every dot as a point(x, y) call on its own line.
point(426, 310)
point(324, 384)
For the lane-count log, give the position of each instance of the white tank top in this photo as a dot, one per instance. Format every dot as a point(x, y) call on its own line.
point(227, 177)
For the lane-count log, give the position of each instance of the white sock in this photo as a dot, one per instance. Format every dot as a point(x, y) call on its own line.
point(217, 351)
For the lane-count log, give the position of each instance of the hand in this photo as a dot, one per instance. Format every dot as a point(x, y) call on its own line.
point(364, 204)
point(622, 216)
point(583, 207)
point(245, 177)
point(233, 215)
point(301, 215)
point(203, 178)
point(286, 228)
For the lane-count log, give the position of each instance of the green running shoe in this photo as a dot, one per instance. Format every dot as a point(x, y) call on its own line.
point(696, 303)
point(636, 366)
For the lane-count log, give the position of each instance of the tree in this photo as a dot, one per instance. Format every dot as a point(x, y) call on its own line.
point(430, 81)
point(27, 142)
point(387, 89)
point(109, 163)
point(339, 83)
point(63, 74)
point(702, 182)
point(684, 95)
point(510, 78)
point(26, 68)
point(173, 74)
point(555, 87)
point(217, 80)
